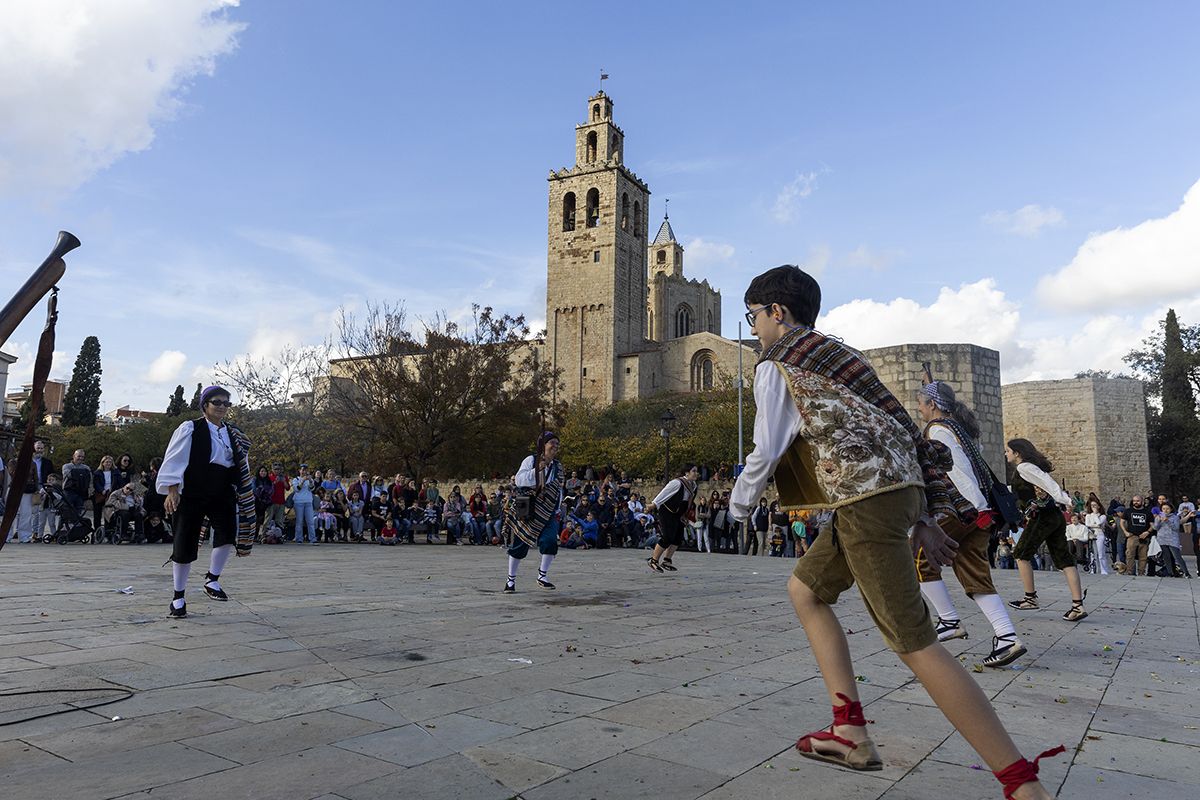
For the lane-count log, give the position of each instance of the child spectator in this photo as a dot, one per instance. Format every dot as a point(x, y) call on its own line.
point(388, 534)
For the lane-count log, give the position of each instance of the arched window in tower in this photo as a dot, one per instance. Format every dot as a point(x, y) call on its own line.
point(625, 211)
point(683, 321)
point(660, 257)
point(591, 146)
point(596, 113)
point(637, 218)
point(593, 207)
point(702, 371)
point(710, 327)
point(569, 211)
point(615, 149)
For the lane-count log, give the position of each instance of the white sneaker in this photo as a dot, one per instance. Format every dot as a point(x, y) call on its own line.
point(950, 629)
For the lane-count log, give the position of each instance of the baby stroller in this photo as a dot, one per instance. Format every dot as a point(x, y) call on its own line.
point(72, 526)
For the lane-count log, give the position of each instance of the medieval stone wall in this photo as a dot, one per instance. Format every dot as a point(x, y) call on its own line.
point(972, 371)
point(1093, 429)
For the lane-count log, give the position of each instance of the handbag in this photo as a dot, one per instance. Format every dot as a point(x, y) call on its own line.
point(1155, 548)
point(521, 507)
point(1003, 501)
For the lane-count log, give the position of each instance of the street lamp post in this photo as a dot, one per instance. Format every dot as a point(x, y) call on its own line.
point(668, 421)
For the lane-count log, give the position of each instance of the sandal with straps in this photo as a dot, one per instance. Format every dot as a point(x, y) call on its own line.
point(1076, 612)
point(1027, 603)
point(862, 756)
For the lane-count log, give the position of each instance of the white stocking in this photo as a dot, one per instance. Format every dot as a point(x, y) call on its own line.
point(993, 607)
point(939, 597)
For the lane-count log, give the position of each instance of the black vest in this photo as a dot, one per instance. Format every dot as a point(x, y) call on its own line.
point(202, 478)
point(677, 503)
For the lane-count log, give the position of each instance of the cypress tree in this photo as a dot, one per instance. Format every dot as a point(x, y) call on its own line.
point(82, 402)
point(176, 404)
point(195, 404)
point(1178, 401)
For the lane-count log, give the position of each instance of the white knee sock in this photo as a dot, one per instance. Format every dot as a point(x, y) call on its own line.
point(179, 573)
point(513, 563)
point(993, 607)
point(939, 597)
point(546, 559)
point(219, 556)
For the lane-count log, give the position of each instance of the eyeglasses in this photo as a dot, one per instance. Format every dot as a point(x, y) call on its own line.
point(752, 313)
point(220, 403)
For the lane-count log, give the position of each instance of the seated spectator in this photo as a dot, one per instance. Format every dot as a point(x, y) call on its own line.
point(1077, 539)
point(326, 520)
point(354, 508)
point(123, 506)
point(156, 531)
point(430, 523)
point(388, 534)
point(453, 513)
point(590, 529)
point(477, 516)
point(777, 542)
point(495, 518)
point(380, 511)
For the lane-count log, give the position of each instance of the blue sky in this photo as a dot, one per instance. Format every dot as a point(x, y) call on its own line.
point(1012, 175)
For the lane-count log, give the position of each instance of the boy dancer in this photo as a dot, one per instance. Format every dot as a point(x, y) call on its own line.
point(206, 474)
point(835, 438)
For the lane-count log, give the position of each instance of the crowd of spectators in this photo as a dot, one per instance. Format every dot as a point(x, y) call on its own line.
point(1144, 536)
point(603, 509)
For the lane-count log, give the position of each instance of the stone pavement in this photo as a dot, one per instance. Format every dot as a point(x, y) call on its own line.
point(357, 672)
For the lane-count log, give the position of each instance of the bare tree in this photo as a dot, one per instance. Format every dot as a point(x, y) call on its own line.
point(276, 397)
point(456, 397)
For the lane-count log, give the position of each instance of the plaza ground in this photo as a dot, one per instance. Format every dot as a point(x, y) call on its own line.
point(358, 672)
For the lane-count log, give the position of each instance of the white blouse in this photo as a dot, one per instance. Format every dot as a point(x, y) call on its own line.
point(179, 452)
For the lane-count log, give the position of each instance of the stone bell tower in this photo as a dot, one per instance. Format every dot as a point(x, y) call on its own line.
point(596, 287)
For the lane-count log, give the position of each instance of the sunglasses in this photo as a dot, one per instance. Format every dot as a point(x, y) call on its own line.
point(220, 403)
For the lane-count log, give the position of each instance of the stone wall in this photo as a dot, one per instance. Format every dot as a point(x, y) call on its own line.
point(1093, 429)
point(973, 372)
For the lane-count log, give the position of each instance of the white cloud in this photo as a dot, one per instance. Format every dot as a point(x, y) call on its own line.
point(818, 259)
point(868, 258)
point(84, 83)
point(978, 313)
point(1155, 259)
point(787, 202)
point(701, 253)
point(1027, 220)
point(166, 367)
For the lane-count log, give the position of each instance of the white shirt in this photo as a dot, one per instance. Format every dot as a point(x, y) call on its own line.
point(776, 425)
point(670, 489)
point(1095, 524)
point(1077, 533)
point(526, 476)
point(179, 451)
point(961, 474)
point(1037, 477)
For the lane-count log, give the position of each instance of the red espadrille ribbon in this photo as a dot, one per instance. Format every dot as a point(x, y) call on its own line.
point(1019, 773)
point(849, 713)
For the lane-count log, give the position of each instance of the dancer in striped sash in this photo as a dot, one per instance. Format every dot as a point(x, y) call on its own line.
point(539, 482)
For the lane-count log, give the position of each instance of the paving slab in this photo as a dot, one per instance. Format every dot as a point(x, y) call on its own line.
point(406, 673)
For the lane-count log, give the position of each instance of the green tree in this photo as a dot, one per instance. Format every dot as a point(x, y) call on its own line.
point(455, 394)
point(82, 403)
point(176, 405)
point(1169, 362)
point(195, 404)
point(26, 414)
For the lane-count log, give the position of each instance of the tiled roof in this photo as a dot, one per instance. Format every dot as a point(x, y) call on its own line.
point(665, 234)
